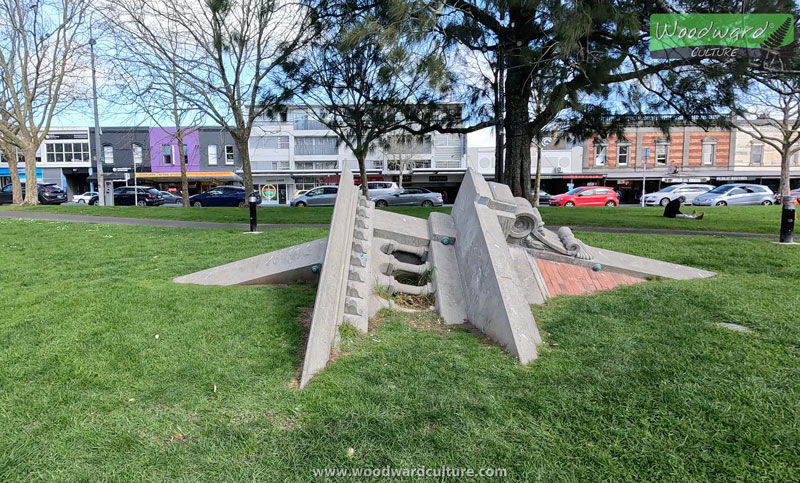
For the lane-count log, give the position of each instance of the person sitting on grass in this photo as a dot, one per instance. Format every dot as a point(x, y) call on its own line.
point(673, 210)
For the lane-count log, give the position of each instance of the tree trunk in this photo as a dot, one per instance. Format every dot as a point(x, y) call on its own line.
point(362, 168)
point(10, 153)
point(518, 134)
point(240, 140)
point(182, 160)
point(538, 181)
point(785, 187)
point(31, 186)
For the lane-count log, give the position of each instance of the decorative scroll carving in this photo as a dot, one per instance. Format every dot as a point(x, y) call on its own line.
point(529, 231)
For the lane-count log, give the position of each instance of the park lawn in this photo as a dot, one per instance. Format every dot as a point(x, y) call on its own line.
point(747, 219)
point(280, 215)
point(744, 219)
point(634, 384)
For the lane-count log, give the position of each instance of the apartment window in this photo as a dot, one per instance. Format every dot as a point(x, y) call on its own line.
point(304, 122)
point(662, 151)
point(794, 159)
point(756, 154)
point(166, 154)
point(709, 151)
point(453, 140)
point(136, 150)
point(316, 146)
point(108, 154)
point(228, 154)
point(67, 152)
point(622, 154)
point(212, 155)
point(375, 164)
point(600, 153)
point(315, 165)
point(274, 142)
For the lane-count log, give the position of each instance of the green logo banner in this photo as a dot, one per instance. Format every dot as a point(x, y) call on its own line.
point(719, 35)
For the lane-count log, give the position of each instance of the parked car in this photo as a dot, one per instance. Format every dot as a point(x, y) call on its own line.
point(49, 194)
point(665, 195)
point(544, 196)
point(736, 194)
point(84, 198)
point(586, 196)
point(221, 196)
point(135, 195)
point(171, 197)
point(377, 188)
point(409, 197)
point(795, 192)
point(319, 196)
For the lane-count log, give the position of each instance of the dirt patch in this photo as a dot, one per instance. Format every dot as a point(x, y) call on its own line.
point(415, 302)
point(305, 318)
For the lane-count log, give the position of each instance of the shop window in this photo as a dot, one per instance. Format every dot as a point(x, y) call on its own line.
point(136, 150)
point(166, 154)
point(108, 154)
point(600, 153)
point(622, 154)
point(756, 154)
point(662, 152)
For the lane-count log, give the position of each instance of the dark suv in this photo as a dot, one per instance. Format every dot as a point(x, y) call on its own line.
point(134, 195)
point(49, 194)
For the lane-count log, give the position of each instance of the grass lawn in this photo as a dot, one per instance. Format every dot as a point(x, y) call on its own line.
point(638, 383)
point(749, 219)
point(277, 215)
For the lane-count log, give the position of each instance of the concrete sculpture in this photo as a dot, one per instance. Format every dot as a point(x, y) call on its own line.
point(486, 263)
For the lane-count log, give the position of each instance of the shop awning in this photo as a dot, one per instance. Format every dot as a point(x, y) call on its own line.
point(173, 177)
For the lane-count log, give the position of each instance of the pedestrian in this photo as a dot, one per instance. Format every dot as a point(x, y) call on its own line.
point(673, 210)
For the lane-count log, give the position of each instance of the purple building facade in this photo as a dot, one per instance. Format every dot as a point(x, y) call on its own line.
point(164, 154)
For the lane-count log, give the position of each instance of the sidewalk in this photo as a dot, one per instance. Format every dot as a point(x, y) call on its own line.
point(117, 220)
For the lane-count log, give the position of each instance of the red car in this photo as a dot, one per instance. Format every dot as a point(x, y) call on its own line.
point(586, 196)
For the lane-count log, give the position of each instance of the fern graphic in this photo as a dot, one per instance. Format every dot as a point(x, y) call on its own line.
point(777, 37)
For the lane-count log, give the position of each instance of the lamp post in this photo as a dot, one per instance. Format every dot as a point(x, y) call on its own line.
point(98, 150)
point(645, 155)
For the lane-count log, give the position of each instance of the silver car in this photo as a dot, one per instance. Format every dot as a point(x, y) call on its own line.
point(377, 188)
point(736, 194)
point(665, 195)
point(319, 196)
point(409, 197)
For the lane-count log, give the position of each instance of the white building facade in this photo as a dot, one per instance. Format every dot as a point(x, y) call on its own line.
point(293, 151)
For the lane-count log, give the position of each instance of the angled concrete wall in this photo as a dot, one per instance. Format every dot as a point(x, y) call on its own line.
point(329, 304)
point(281, 266)
point(494, 303)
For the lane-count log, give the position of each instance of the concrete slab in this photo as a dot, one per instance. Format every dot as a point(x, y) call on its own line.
point(494, 303)
point(282, 266)
point(330, 301)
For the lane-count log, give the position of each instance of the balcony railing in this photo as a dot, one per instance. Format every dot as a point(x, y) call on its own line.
point(315, 165)
point(309, 125)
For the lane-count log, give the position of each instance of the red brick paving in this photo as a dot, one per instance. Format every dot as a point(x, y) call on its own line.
point(565, 279)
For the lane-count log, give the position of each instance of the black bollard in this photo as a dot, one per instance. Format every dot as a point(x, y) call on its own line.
point(253, 201)
point(788, 214)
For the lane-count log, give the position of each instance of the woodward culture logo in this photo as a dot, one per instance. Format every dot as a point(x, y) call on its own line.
point(683, 36)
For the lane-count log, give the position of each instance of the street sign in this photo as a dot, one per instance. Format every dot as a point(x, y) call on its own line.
point(121, 170)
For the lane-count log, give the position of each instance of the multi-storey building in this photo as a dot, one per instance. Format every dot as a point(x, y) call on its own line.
point(685, 153)
point(561, 166)
point(64, 158)
point(292, 150)
point(211, 159)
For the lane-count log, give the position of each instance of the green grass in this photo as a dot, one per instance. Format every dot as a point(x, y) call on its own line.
point(634, 384)
point(277, 215)
point(748, 219)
